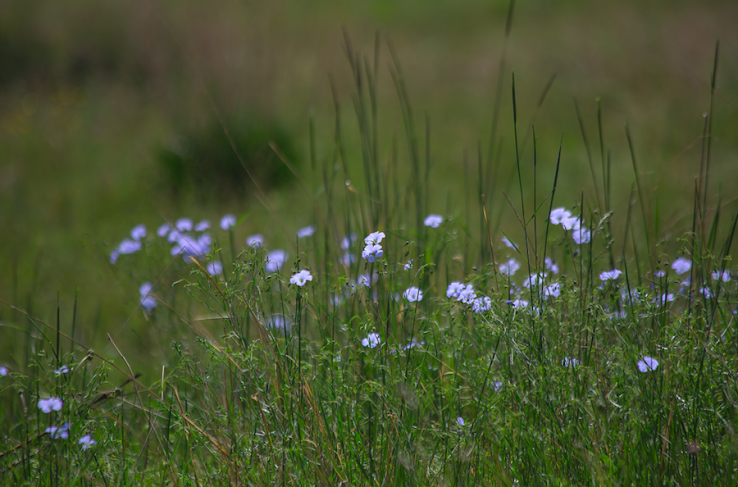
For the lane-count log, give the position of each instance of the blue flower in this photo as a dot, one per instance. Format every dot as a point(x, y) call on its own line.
point(215, 268)
point(553, 290)
point(413, 343)
point(163, 229)
point(255, 240)
point(148, 302)
point(722, 276)
point(301, 278)
point(509, 244)
point(454, 289)
point(3, 371)
point(664, 299)
point(659, 274)
point(535, 279)
point(681, 265)
point(569, 362)
point(347, 259)
point(609, 275)
point(202, 226)
point(571, 223)
point(275, 259)
point(510, 267)
point(481, 304)
point(647, 364)
point(581, 236)
point(433, 221)
point(278, 323)
point(409, 265)
point(372, 252)
point(550, 265)
point(467, 295)
point(50, 404)
point(558, 215)
point(228, 221)
point(374, 238)
point(61, 370)
point(57, 432)
point(348, 240)
point(307, 231)
point(372, 340)
point(413, 294)
point(184, 224)
point(519, 303)
point(460, 421)
point(138, 232)
point(87, 442)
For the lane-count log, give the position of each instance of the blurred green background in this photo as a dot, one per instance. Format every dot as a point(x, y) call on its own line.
point(105, 122)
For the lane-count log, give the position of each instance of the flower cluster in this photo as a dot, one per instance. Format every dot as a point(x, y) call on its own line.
point(563, 217)
point(372, 340)
point(372, 251)
point(148, 302)
point(465, 293)
point(433, 221)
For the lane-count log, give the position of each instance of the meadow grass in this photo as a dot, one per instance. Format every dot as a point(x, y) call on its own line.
point(387, 345)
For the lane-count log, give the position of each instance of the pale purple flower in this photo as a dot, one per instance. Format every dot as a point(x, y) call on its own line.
point(510, 267)
point(558, 215)
point(481, 304)
point(467, 295)
point(305, 232)
point(635, 295)
point(173, 236)
point(189, 246)
point(148, 302)
point(57, 432)
point(275, 259)
point(50, 404)
point(519, 303)
point(129, 247)
point(498, 385)
point(202, 226)
point(363, 279)
point(681, 265)
point(535, 279)
point(61, 370)
point(413, 294)
point(87, 442)
point(278, 322)
point(553, 290)
point(348, 240)
point(722, 276)
point(372, 340)
point(3, 371)
point(433, 221)
point(460, 421)
point(609, 275)
point(659, 274)
point(571, 223)
point(569, 362)
point(413, 343)
point(647, 364)
point(509, 244)
point(374, 238)
point(454, 289)
point(214, 268)
point(114, 256)
point(184, 224)
point(664, 299)
point(228, 221)
point(409, 265)
point(256, 240)
point(163, 229)
point(301, 278)
point(348, 259)
point(138, 232)
point(581, 236)
point(372, 252)
point(550, 265)
point(706, 291)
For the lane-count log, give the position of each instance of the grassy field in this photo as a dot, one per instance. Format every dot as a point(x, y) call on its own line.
point(244, 377)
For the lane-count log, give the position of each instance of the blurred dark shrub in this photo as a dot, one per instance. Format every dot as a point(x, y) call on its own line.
point(202, 159)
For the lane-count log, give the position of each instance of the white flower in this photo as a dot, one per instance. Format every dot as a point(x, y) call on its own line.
point(61, 370)
point(647, 364)
point(228, 221)
point(581, 236)
point(454, 289)
point(553, 290)
point(681, 265)
point(609, 275)
point(275, 259)
point(481, 304)
point(301, 278)
point(550, 265)
point(148, 302)
point(433, 221)
point(50, 404)
point(256, 240)
point(372, 340)
point(509, 244)
point(307, 231)
point(510, 267)
point(214, 268)
point(202, 226)
point(87, 442)
point(413, 294)
point(138, 232)
point(372, 252)
point(184, 224)
point(722, 276)
point(558, 215)
point(374, 238)
point(409, 265)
